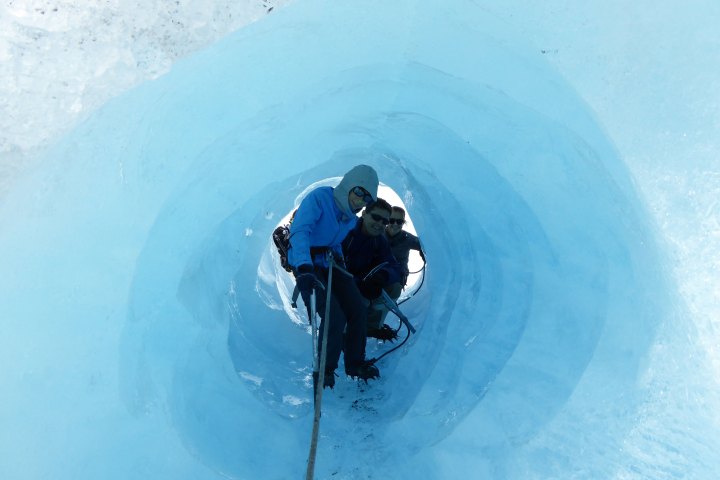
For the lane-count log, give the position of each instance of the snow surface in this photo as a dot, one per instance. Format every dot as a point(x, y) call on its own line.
point(559, 162)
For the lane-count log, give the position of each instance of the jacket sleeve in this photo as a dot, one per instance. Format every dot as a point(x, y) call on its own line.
point(306, 218)
point(393, 267)
point(413, 242)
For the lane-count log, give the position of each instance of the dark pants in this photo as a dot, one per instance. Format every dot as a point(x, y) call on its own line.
point(348, 315)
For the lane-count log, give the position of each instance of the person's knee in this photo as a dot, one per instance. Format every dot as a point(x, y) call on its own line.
point(394, 290)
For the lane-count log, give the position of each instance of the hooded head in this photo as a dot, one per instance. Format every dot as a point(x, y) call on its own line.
point(359, 176)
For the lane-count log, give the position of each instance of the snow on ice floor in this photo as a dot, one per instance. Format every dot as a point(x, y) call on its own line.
point(564, 329)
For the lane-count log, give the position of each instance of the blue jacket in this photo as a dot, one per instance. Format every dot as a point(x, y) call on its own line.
point(325, 217)
point(318, 223)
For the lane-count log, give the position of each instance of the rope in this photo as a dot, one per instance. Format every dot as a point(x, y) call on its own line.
point(422, 280)
point(392, 306)
point(374, 360)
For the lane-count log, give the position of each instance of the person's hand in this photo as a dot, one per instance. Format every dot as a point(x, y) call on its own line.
point(372, 287)
point(306, 279)
point(422, 255)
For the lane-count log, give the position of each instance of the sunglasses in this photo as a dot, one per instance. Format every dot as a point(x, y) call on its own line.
point(379, 218)
point(399, 221)
point(362, 193)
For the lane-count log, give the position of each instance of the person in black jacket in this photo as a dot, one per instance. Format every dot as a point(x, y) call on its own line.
point(369, 258)
point(401, 242)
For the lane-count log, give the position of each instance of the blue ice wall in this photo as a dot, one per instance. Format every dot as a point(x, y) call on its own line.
point(148, 238)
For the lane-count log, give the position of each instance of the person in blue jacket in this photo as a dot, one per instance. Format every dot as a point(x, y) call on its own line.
point(323, 219)
point(369, 258)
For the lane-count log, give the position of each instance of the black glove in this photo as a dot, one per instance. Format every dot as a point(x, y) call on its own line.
point(372, 287)
point(422, 255)
point(305, 279)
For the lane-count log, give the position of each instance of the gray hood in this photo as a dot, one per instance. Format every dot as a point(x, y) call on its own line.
point(360, 176)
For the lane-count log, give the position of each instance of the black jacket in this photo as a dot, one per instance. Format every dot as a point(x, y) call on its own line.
point(364, 252)
point(400, 245)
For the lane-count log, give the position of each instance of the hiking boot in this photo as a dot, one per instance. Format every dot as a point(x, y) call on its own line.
point(383, 333)
point(329, 380)
point(363, 371)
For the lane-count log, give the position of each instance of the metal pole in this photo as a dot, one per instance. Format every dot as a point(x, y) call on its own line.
point(310, 474)
point(313, 326)
point(393, 307)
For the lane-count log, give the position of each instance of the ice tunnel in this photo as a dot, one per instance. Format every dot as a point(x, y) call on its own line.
point(543, 294)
